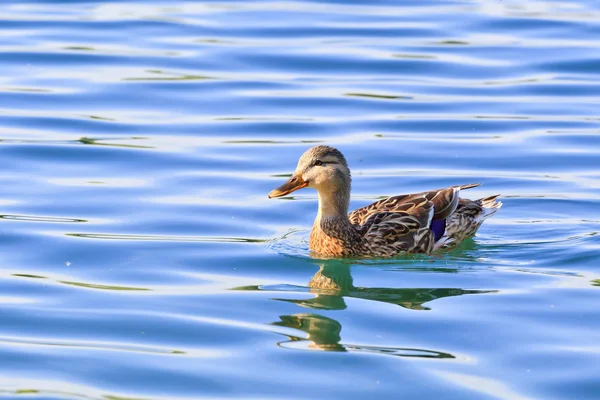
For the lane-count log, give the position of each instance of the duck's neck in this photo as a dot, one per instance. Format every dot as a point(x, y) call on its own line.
point(332, 234)
point(333, 206)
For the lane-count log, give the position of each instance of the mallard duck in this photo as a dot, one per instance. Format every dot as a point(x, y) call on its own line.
point(410, 223)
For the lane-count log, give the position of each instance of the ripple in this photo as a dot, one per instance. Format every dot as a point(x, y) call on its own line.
point(103, 287)
point(108, 236)
point(84, 284)
point(118, 347)
point(159, 128)
point(39, 218)
point(303, 344)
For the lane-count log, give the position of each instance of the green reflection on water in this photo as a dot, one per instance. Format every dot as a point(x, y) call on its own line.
point(453, 42)
point(378, 96)
point(84, 284)
point(38, 218)
point(103, 287)
point(324, 334)
point(97, 142)
point(334, 281)
point(29, 276)
point(25, 90)
point(108, 236)
point(331, 285)
point(166, 76)
point(64, 394)
point(101, 118)
point(79, 48)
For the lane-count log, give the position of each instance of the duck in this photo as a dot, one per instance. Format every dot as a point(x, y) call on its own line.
point(408, 223)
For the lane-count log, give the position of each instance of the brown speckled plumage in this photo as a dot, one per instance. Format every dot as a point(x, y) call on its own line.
point(397, 224)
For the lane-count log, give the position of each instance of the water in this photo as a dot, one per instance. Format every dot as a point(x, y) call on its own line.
point(141, 258)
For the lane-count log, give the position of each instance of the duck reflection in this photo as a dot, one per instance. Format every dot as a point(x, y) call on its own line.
point(323, 332)
point(333, 283)
point(331, 286)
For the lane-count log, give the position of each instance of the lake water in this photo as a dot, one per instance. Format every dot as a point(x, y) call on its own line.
point(141, 258)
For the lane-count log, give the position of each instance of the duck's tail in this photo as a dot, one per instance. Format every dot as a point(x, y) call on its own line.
point(489, 206)
point(467, 218)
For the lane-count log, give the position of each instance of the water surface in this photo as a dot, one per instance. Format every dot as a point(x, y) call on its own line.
point(142, 259)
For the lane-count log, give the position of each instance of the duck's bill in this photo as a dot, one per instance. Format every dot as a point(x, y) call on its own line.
point(293, 184)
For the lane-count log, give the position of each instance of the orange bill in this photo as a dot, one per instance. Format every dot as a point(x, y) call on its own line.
point(294, 183)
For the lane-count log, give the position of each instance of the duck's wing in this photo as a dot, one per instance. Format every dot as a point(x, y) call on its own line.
point(389, 233)
point(444, 202)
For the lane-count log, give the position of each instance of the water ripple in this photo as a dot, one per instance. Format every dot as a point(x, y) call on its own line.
point(139, 141)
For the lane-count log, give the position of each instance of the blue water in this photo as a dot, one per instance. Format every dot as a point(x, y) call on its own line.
point(139, 254)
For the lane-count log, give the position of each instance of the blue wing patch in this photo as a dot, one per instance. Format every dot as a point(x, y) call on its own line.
point(438, 226)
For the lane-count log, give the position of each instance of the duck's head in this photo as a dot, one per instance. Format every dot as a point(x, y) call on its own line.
point(322, 168)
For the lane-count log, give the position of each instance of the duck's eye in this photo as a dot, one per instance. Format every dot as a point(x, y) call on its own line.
point(318, 163)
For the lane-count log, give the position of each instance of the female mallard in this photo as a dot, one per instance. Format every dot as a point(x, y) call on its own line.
point(415, 223)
